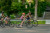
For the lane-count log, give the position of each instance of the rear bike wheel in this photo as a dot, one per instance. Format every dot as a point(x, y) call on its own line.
point(3, 25)
point(29, 24)
point(35, 23)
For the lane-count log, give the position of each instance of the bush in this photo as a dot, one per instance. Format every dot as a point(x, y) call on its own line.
point(41, 8)
point(12, 16)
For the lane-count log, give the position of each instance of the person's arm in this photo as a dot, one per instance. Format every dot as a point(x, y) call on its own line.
point(26, 15)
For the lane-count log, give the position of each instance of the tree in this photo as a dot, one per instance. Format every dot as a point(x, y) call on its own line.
point(23, 2)
point(36, 4)
point(16, 6)
point(2, 3)
point(5, 6)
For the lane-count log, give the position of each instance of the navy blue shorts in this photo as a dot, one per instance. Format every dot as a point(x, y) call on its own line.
point(28, 18)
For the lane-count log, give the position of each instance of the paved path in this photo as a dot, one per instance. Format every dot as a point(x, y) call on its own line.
point(39, 29)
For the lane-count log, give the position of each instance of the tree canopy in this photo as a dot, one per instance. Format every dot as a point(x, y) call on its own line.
point(17, 6)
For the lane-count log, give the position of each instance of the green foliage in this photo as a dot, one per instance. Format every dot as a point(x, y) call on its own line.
point(41, 8)
point(20, 13)
point(12, 16)
point(15, 7)
point(48, 4)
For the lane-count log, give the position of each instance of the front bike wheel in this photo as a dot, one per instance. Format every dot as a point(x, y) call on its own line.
point(29, 24)
point(35, 23)
point(11, 24)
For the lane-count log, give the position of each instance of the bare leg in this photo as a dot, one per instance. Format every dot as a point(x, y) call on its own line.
point(22, 23)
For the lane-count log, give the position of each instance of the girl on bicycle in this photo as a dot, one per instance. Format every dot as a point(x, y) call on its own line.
point(22, 18)
point(7, 19)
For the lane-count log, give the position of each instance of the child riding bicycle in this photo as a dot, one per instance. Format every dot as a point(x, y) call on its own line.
point(7, 19)
point(22, 18)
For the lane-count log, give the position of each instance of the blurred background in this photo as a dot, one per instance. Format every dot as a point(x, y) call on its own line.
point(15, 8)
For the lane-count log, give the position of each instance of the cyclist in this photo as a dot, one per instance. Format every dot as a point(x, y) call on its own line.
point(1, 22)
point(7, 19)
point(28, 16)
point(22, 18)
point(3, 15)
point(2, 18)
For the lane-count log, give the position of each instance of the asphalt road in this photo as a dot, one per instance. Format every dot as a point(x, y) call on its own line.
point(39, 29)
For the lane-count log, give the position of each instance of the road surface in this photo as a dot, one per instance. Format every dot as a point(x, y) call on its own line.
point(39, 29)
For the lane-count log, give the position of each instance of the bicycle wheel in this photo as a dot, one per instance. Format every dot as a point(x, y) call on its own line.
point(35, 23)
point(29, 24)
point(3, 25)
point(11, 24)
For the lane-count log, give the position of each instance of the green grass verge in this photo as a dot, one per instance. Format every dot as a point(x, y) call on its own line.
point(18, 22)
point(41, 22)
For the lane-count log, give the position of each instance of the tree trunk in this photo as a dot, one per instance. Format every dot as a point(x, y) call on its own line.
point(36, 4)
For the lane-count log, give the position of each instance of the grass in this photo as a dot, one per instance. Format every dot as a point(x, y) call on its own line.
point(18, 22)
point(41, 22)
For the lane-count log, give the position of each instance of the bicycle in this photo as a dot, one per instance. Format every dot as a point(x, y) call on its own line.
point(10, 24)
point(29, 24)
point(1, 24)
point(32, 23)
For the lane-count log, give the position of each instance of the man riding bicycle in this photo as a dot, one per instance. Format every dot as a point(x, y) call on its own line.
point(28, 16)
point(2, 21)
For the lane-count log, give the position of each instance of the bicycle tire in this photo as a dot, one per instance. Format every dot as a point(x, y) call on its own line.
point(3, 25)
point(29, 24)
point(35, 23)
point(11, 25)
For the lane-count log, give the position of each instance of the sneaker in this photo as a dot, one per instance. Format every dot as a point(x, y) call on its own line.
point(21, 26)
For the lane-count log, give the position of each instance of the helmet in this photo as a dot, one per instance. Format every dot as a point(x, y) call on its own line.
point(23, 13)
